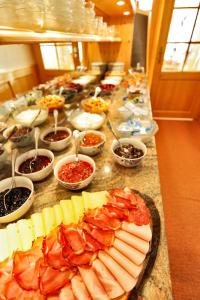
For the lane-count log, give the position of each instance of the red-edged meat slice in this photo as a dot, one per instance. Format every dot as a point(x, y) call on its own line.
point(124, 194)
point(74, 235)
point(100, 219)
point(52, 280)
point(52, 250)
point(105, 237)
point(117, 212)
point(12, 290)
point(26, 268)
point(92, 244)
point(5, 277)
point(66, 293)
point(85, 258)
point(139, 216)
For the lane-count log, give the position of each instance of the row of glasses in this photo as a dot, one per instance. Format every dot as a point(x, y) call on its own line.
point(74, 16)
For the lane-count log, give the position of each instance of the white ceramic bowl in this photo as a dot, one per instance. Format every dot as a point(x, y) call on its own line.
point(3, 157)
point(92, 150)
point(21, 181)
point(59, 145)
point(22, 141)
point(39, 175)
point(127, 162)
point(78, 185)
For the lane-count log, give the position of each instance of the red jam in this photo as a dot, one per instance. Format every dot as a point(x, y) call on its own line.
point(74, 172)
point(56, 136)
point(32, 165)
point(19, 132)
point(91, 139)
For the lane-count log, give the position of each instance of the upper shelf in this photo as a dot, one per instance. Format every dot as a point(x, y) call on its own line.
point(20, 36)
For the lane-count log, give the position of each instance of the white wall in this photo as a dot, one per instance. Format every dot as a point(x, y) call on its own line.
point(13, 57)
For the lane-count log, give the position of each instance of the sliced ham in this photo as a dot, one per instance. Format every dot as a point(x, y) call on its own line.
point(133, 241)
point(144, 232)
point(79, 289)
point(131, 253)
point(126, 281)
point(128, 265)
point(66, 293)
point(94, 286)
point(110, 284)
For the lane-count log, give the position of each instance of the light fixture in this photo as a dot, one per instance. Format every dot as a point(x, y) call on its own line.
point(126, 13)
point(145, 5)
point(120, 3)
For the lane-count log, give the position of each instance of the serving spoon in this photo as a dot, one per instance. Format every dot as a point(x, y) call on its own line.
point(76, 136)
point(13, 158)
point(109, 125)
point(36, 137)
point(55, 115)
point(97, 92)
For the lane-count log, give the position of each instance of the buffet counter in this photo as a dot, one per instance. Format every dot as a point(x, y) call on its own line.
point(144, 178)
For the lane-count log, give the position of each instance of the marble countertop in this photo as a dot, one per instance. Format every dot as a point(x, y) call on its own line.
point(144, 178)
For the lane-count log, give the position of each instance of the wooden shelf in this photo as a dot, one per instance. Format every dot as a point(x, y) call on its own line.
point(20, 36)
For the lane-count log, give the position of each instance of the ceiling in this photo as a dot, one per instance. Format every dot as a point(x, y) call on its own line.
point(110, 8)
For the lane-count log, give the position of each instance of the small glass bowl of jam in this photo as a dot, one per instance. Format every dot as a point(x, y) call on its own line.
point(92, 142)
point(56, 141)
point(34, 167)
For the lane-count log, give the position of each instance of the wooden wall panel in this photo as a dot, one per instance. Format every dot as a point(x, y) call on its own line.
point(115, 52)
point(17, 82)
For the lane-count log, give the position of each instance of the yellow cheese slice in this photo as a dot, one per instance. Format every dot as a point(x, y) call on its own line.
point(4, 246)
point(58, 214)
point(86, 200)
point(38, 225)
point(78, 206)
point(14, 241)
point(48, 219)
point(68, 212)
point(94, 200)
point(26, 233)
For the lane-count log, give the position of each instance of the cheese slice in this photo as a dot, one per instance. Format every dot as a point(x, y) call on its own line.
point(98, 199)
point(38, 225)
point(68, 212)
point(26, 233)
point(48, 219)
point(58, 214)
point(78, 207)
point(4, 245)
point(86, 200)
point(14, 241)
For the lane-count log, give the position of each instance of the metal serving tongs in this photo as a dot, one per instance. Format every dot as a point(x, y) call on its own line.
point(13, 158)
point(33, 160)
point(76, 136)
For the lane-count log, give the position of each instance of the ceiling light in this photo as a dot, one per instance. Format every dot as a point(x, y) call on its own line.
point(120, 3)
point(126, 13)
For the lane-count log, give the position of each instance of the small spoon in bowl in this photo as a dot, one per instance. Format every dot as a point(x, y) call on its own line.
point(97, 92)
point(55, 115)
point(109, 125)
point(76, 136)
point(33, 160)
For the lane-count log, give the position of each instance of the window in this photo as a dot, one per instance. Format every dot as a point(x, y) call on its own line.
point(182, 51)
point(61, 56)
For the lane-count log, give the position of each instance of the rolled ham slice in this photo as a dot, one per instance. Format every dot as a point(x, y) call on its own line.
point(122, 260)
point(66, 293)
point(93, 284)
point(133, 241)
point(79, 289)
point(143, 231)
point(126, 281)
point(110, 284)
point(131, 253)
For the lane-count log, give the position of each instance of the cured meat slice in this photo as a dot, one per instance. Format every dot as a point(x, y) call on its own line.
point(110, 284)
point(74, 235)
point(85, 258)
point(124, 194)
point(133, 241)
point(100, 219)
point(52, 280)
point(105, 237)
point(144, 232)
point(92, 244)
point(52, 250)
point(134, 255)
point(122, 199)
point(26, 267)
point(79, 289)
point(126, 281)
point(123, 261)
point(66, 293)
point(94, 286)
point(139, 216)
point(117, 212)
